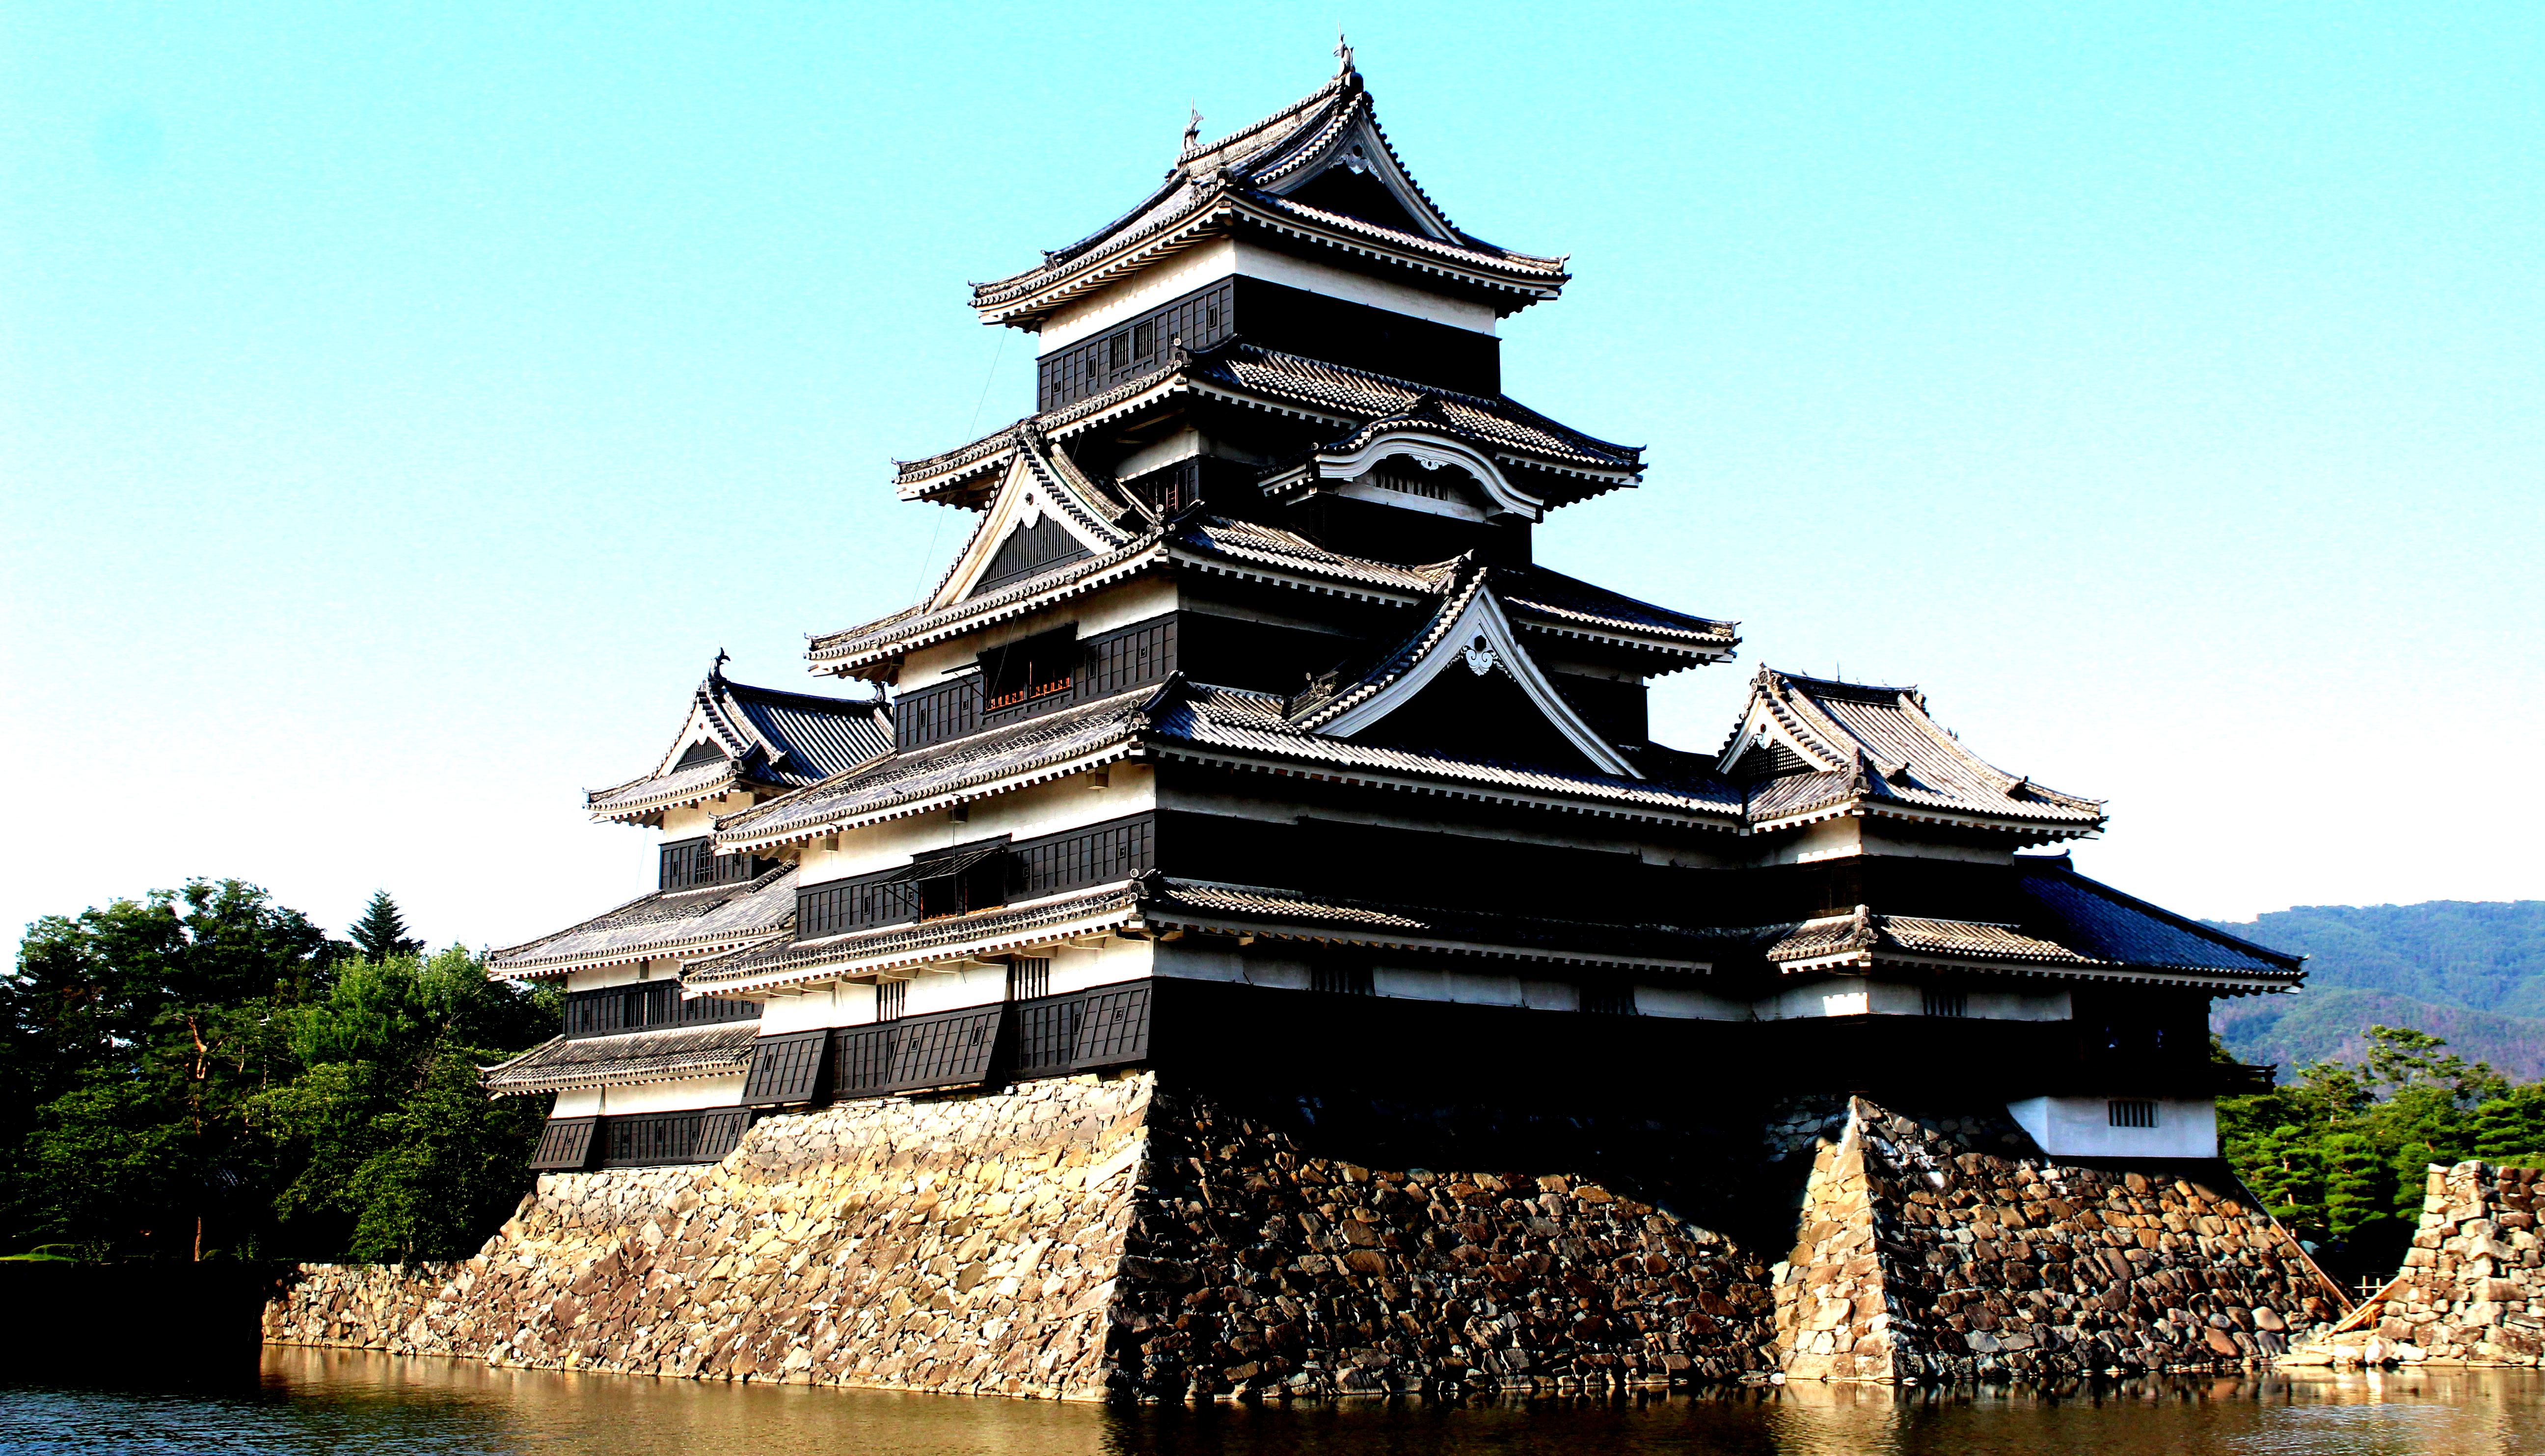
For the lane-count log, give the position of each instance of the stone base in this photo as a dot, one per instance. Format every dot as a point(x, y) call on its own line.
point(2472, 1289)
point(1081, 1237)
point(1931, 1249)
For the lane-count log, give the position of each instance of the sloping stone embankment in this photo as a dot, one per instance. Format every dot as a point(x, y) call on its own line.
point(1921, 1256)
point(2471, 1290)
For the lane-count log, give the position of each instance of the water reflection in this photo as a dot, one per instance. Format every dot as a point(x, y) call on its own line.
point(336, 1400)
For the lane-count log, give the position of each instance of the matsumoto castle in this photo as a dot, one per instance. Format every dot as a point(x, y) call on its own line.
point(1245, 740)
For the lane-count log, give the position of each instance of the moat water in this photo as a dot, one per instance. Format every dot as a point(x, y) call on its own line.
point(304, 1401)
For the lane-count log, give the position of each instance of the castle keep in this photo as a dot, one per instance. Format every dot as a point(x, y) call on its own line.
point(1245, 936)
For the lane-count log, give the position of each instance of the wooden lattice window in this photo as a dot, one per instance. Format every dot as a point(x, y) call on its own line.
point(1938, 1001)
point(1609, 1001)
point(1342, 978)
point(2132, 1112)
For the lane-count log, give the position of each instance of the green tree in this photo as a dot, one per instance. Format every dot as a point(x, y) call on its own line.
point(400, 1153)
point(136, 1035)
point(381, 931)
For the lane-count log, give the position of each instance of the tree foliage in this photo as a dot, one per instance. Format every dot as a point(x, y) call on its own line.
point(202, 1072)
point(381, 931)
point(2341, 1151)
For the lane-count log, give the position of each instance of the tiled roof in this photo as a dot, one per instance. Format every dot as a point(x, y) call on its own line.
point(1266, 545)
point(1877, 746)
point(2066, 922)
point(997, 755)
point(1294, 383)
point(1246, 172)
point(1552, 599)
point(766, 738)
point(666, 923)
point(670, 1054)
point(845, 650)
point(2106, 925)
point(1496, 421)
point(1300, 915)
point(1253, 724)
point(985, 932)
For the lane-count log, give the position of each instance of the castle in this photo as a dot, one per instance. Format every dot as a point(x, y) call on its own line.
point(1247, 793)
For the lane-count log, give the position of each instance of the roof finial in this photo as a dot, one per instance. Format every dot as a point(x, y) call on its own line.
point(717, 669)
point(1342, 52)
point(1192, 130)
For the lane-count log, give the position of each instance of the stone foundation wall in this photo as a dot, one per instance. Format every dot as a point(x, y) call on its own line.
point(1260, 1266)
point(2472, 1289)
point(1078, 1238)
point(1934, 1249)
point(963, 1244)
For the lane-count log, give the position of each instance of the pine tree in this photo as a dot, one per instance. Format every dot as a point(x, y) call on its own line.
point(381, 931)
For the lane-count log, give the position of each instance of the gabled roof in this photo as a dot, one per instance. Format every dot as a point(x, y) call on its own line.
point(1043, 483)
point(748, 738)
point(1470, 629)
point(1054, 745)
point(1349, 401)
point(664, 925)
point(1280, 175)
point(1568, 607)
point(1812, 749)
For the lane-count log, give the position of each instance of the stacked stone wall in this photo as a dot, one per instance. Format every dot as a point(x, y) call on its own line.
point(1932, 1249)
point(965, 1243)
point(1262, 1265)
point(2472, 1289)
point(1075, 1238)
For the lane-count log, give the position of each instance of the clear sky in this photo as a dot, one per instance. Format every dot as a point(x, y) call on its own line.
point(402, 403)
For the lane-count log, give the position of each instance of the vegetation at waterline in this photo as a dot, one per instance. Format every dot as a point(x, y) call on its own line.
point(201, 1072)
point(2339, 1151)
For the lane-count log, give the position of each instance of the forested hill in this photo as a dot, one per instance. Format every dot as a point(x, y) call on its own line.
point(2470, 971)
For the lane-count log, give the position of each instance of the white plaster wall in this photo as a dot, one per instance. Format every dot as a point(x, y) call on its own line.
point(672, 1096)
point(835, 1005)
point(577, 1102)
point(2080, 1127)
point(626, 973)
point(1689, 1003)
point(1837, 839)
point(954, 988)
point(1074, 969)
point(1224, 257)
point(1026, 813)
point(693, 820)
point(1860, 996)
point(1117, 606)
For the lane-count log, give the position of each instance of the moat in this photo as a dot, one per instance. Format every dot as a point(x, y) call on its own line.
point(310, 1400)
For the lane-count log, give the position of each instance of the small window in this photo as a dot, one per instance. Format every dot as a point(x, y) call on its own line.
point(1117, 351)
point(1609, 1001)
point(1341, 979)
point(892, 997)
point(2133, 1112)
point(1040, 666)
point(1144, 339)
point(1210, 320)
point(1028, 976)
point(1947, 1002)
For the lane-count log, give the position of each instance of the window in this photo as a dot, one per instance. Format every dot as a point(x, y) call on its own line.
point(1117, 351)
point(892, 997)
point(2133, 1112)
point(1341, 979)
point(1609, 1001)
point(1144, 337)
point(1028, 977)
point(1941, 1003)
point(1019, 673)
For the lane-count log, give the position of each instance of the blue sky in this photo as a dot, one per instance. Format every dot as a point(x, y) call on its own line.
point(400, 404)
